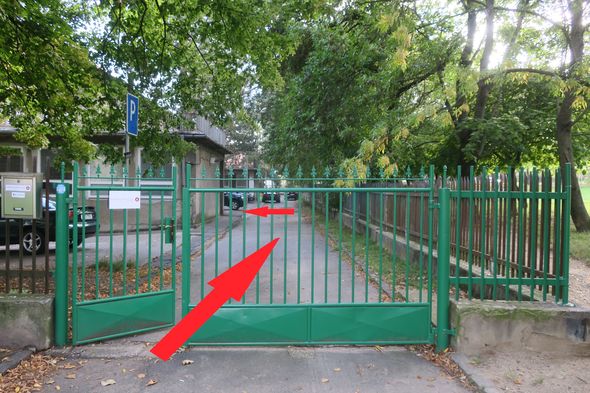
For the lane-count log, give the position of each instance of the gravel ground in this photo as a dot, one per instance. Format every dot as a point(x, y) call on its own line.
point(579, 284)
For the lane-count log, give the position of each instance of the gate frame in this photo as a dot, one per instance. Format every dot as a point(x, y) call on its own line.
point(66, 197)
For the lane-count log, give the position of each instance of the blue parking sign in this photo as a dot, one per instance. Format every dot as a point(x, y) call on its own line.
point(132, 114)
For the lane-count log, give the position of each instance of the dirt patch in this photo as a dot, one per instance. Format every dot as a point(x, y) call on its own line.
point(528, 372)
point(579, 283)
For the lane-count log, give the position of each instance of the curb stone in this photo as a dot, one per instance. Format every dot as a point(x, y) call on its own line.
point(15, 358)
point(482, 384)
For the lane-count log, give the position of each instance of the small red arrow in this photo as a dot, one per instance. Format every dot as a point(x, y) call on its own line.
point(265, 211)
point(232, 283)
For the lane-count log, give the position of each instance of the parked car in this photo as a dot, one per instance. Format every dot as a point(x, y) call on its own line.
point(268, 196)
point(251, 197)
point(292, 196)
point(86, 219)
point(237, 200)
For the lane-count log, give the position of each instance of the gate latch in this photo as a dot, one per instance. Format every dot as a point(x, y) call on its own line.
point(169, 230)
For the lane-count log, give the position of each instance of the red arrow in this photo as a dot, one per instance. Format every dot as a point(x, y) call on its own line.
point(232, 283)
point(265, 211)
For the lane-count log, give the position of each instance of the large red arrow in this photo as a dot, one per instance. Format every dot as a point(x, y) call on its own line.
point(265, 211)
point(232, 283)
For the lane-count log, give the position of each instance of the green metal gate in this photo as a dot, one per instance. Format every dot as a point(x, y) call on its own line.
point(334, 277)
point(119, 274)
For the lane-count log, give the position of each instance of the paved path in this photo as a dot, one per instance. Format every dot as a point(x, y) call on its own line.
point(253, 370)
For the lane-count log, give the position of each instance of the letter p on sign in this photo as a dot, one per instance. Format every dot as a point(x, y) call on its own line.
point(132, 114)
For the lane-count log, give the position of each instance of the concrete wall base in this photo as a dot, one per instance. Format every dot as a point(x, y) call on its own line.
point(484, 326)
point(26, 320)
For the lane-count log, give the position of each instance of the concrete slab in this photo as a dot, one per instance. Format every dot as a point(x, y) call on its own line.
point(262, 370)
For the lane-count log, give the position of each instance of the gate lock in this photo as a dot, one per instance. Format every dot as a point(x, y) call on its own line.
point(169, 230)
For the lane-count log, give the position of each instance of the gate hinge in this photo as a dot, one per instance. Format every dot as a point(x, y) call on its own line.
point(450, 332)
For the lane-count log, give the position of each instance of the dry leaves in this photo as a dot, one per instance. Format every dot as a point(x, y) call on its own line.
point(443, 361)
point(151, 382)
point(141, 376)
point(186, 362)
point(29, 375)
point(325, 380)
point(108, 382)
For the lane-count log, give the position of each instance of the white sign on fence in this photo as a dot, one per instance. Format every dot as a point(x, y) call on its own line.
point(124, 200)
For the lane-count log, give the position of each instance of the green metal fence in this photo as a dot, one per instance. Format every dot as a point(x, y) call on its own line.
point(121, 267)
point(323, 283)
point(358, 263)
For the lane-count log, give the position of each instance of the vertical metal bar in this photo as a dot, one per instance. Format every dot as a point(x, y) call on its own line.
point(421, 258)
point(442, 314)
point(216, 234)
point(46, 237)
point(285, 253)
point(7, 255)
point(394, 248)
point(339, 247)
point(521, 185)
point(186, 248)
point(380, 247)
point(111, 241)
point(470, 237)
point(566, 232)
point(61, 266)
point(20, 255)
point(508, 234)
point(482, 249)
point(545, 209)
point(327, 241)
point(272, 229)
point(149, 257)
point(559, 188)
point(457, 232)
point(174, 223)
point(137, 223)
point(244, 217)
point(496, 228)
point(74, 240)
point(34, 255)
point(353, 254)
point(162, 229)
point(431, 207)
point(258, 247)
point(533, 231)
point(313, 195)
point(231, 225)
point(83, 278)
point(407, 271)
point(202, 272)
point(367, 224)
point(96, 248)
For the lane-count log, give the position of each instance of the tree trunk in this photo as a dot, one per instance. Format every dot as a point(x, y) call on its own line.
point(463, 134)
point(564, 123)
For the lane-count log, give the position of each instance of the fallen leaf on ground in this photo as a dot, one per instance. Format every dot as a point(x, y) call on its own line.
point(379, 348)
point(187, 362)
point(68, 366)
point(325, 380)
point(337, 369)
point(141, 376)
point(57, 387)
point(71, 376)
point(151, 382)
point(108, 382)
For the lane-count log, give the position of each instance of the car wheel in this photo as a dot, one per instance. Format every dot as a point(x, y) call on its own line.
point(28, 243)
point(235, 205)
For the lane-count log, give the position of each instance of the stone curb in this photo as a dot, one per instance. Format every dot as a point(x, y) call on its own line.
point(15, 358)
point(482, 384)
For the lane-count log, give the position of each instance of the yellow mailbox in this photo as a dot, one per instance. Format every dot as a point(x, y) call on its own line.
point(21, 195)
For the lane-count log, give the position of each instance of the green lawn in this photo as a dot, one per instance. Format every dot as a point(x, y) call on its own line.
point(580, 242)
point(586, 195)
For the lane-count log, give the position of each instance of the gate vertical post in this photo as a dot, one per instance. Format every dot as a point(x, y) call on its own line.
point(186, 242)
point(61, 266)
point(443, 271)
